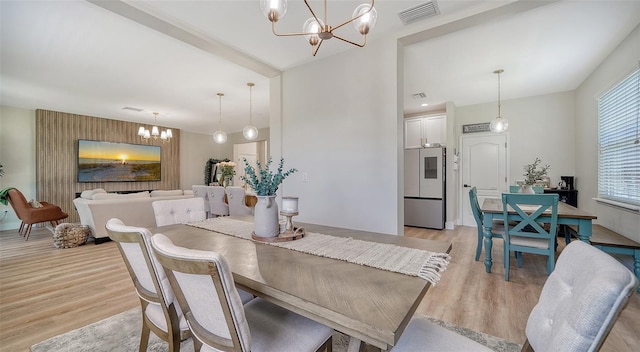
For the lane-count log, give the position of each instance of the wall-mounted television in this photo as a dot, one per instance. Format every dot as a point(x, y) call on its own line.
point(117, 162)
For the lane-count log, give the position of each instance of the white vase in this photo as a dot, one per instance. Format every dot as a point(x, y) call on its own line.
point(265, 217)
point(527, 189)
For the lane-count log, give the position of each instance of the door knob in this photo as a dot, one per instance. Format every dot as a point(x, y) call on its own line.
point(466, 185)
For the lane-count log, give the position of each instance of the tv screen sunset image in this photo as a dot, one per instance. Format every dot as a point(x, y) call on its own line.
point(117, 162)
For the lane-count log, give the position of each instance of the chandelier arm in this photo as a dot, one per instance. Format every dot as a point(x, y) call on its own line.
point(318, 47)
point(350, 42)
point(273, 29)
point(314, 14)
point(353, 19)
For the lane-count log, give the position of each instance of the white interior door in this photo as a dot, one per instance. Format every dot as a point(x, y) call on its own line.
point(484, 166)
point(242, 151)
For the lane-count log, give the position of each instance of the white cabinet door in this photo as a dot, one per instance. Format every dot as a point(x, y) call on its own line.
point(434, 130)
point(413, 133)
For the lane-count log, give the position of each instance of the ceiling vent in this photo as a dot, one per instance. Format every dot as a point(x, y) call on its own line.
point(419, 12)
point(132, 109)
point(419, 95)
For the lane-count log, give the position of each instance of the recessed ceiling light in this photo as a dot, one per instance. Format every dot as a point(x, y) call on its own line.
point(424, 104)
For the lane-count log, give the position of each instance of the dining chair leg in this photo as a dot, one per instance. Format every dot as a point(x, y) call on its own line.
point(519, 257)
point(21, 228)
point(27, 232)
point(507, 259)
point(479, 246)
point(144, 336)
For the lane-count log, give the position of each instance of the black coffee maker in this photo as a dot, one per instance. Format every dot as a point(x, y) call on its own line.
point(567, 182)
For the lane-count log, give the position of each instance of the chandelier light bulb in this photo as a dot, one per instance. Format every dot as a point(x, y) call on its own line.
point(367, 20)
point(312, 28)
point(273, 9)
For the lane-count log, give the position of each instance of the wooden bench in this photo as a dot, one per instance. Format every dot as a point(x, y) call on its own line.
point(612, 242)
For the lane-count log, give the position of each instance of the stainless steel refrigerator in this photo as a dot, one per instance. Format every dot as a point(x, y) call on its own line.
point(425, 187)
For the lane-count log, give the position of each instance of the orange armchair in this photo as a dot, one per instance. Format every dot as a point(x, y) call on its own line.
point(30, 215)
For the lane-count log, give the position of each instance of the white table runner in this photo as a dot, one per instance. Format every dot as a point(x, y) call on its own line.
point(409, 261)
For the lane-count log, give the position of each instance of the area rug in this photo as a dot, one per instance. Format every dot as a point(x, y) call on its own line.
point(121, 333)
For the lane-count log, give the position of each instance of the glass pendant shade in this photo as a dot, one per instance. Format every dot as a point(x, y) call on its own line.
point(274, 9)
point(499, 125)
point(219, 137)
point(312, 26)
point(365, 23)
point(250, 132)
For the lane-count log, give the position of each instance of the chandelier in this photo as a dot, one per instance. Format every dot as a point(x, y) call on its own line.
point(145, 135)
point(220, 136)
point(250, 131)
point(499, 124)
point(317, 30)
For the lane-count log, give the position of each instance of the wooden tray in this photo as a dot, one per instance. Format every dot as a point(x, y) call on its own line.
point(297, 234)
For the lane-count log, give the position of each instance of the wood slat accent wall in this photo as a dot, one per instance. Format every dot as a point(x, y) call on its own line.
point(57, 135)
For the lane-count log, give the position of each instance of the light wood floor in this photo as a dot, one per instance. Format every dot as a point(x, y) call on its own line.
point(46, 291)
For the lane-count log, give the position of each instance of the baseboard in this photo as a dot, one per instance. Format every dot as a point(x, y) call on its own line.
point(102, 240)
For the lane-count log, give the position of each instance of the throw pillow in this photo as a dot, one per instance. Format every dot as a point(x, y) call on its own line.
point(35, 204)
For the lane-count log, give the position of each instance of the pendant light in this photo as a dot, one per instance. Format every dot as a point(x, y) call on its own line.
point(499, 124)
point(250, 131)
point(220, 136)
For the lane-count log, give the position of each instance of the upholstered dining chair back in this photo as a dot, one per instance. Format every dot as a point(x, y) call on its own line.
point(207, 292)
point(217, 203)
point(578, 305)
point(202, 192)
point(580, 301)
point(530, 234)
point(497, 229)
point(178, 211)
point(218, 320)
point(30, 215)
point(160, 310)
point(237, 206)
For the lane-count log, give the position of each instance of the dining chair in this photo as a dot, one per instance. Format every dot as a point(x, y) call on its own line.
point(178, 211)
point(160, 310)
point(579, 304)
point(202, 192)
point(497, 229)
point(30, 215)
point(204, 286)
point(217, 205)
point(530, 234)
point(235, 197)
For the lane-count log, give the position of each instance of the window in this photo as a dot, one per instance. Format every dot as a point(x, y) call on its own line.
point(619, 146)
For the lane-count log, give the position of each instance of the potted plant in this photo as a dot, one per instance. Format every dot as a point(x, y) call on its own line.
point(265, 183)
point(533, 173)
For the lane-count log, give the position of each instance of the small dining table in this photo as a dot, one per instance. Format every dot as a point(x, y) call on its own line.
point(368, 304)
point(567, 215)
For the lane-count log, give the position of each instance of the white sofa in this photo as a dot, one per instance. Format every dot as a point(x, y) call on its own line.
point(96, 207)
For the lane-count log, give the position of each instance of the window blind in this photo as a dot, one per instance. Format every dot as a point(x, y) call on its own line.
point(619, 147)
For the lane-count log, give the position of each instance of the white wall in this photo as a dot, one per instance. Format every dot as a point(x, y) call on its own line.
point(18, 157)
point(540, 126)
point(622, 61)
point(340, 128)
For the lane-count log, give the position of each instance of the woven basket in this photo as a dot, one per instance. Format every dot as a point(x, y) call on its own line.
point(68, 235)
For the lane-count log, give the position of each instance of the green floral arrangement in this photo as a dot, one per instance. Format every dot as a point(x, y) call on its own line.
point(532, 173)
point(266, 182)
point(227, 169)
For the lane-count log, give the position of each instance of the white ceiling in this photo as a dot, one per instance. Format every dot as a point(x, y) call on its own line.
point(95, 58)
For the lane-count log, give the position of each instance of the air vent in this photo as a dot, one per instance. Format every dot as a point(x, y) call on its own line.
point(132, 109)
point(419, 95)
point(419, 12)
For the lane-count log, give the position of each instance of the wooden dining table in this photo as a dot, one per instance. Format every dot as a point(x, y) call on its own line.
point(567, 215)
point(367, 304)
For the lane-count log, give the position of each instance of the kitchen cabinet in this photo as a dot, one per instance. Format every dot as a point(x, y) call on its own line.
point(421, 130)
